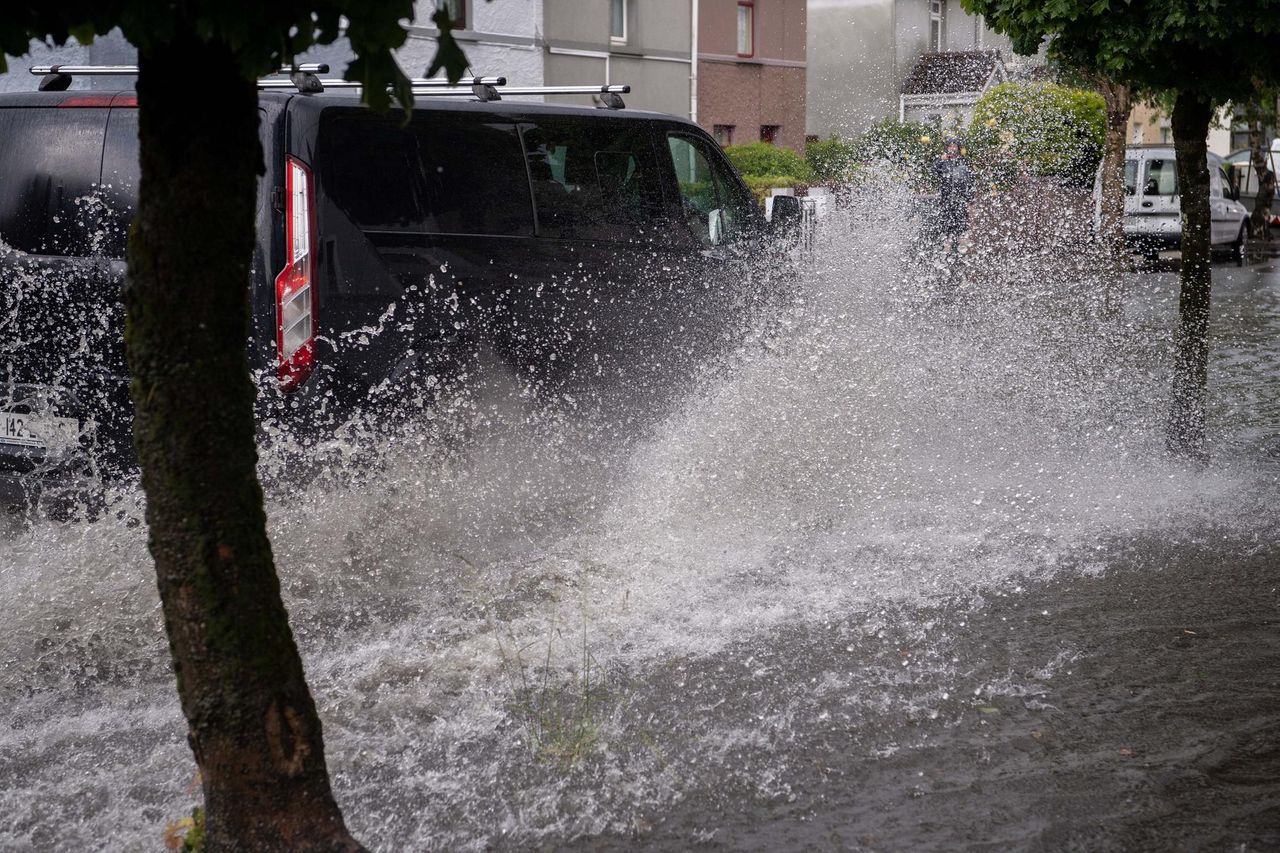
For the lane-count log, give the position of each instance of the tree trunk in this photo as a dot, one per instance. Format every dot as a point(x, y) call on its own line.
point(1186, 427)
point(1266, 181)
point(1119, 104)
point(252, 723)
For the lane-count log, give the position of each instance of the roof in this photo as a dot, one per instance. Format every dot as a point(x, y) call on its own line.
point(953, 72)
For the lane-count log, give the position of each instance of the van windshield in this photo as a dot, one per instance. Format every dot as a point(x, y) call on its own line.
point(444, 173)
point(1161, 178)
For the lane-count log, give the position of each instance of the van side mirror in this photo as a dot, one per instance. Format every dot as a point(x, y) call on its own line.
point(715, 226)
point(786, 212)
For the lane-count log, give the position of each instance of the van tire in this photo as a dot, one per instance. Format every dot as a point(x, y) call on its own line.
point(1240, 247)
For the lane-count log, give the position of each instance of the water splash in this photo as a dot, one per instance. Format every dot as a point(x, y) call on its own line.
point(528, 621)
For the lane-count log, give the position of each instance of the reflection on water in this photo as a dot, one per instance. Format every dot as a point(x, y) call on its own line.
point(912, 524)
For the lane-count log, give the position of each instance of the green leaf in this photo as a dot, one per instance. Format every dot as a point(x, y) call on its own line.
point(449, 55)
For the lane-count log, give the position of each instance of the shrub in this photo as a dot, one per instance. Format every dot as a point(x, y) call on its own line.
point(910, 147)
point(1041, 129)
point(761, 185)
point(832, 160)
point(760, 159)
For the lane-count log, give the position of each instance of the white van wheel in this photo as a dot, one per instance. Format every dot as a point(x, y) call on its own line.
point(1241, 246)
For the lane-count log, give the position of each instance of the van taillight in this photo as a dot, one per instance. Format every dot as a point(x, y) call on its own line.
point(295, 286)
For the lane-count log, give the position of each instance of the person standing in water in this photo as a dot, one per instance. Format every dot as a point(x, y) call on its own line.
point(955, 182)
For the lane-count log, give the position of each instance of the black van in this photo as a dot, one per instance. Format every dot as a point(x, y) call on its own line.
point(580, 244)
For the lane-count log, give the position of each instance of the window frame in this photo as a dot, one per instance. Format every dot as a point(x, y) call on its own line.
point(742, 205)
point(459, 19)
point(1168, 163)
point(750, 6)
point(626, 10)
point(938, 34)
point(660, 212)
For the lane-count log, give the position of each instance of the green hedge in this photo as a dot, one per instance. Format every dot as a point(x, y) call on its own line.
point(760, 159)
point(1039, 128)
point(833, 160)
point(910, 147)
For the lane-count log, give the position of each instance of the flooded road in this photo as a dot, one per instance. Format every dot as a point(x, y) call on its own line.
point(906, 573)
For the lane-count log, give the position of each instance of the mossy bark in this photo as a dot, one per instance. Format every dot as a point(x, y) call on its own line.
point(252, 722)
point(1119, 104)
point(1258, 157)
point(1185, 433)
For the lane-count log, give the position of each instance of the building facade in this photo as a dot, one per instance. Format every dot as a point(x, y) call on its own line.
point(1150, 125)
point(751, 71)
point(863, 52)
point(646, 43)
point(744, 81)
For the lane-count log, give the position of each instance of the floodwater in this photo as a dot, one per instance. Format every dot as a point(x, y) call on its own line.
point(910, 571)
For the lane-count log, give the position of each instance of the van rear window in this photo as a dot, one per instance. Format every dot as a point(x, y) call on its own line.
point(50, 161)
point(1162, 177)
point(443, 173)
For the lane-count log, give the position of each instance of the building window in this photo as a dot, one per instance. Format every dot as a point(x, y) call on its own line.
point(937, 14)
point(746, 27)
point(769, 133)
point(457, 10)
point(618, 21)
point(1137, 132)
point(723, 134)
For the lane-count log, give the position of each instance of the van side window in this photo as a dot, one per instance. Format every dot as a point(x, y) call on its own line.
point(445, 173)
point(594, 180)
point(1130, 177)
point(1162, 177)
point(711, 200)
point(1224, 181)
point(50, 160)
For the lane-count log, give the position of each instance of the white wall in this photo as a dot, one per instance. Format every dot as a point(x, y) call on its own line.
point(852, 79)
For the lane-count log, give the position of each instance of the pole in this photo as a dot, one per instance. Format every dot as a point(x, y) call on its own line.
point(693, 63)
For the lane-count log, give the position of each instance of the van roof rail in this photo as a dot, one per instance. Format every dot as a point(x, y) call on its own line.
point(481, 88)
point(610, 95)
point(303, 77)
point(57, 78)
point(334, 83)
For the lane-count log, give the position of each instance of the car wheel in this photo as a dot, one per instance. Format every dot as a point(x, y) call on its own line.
point(1240, 247)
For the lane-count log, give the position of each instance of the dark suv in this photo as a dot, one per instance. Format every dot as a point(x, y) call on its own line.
point(580, 244)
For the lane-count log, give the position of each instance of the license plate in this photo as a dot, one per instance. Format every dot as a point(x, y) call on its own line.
point(38, 431)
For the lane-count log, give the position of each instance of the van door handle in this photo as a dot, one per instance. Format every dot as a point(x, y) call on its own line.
point(1148, 203)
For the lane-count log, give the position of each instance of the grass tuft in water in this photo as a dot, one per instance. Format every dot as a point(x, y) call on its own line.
point(562, 717)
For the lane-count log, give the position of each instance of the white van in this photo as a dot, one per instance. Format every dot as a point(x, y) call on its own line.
point(1152, 210)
